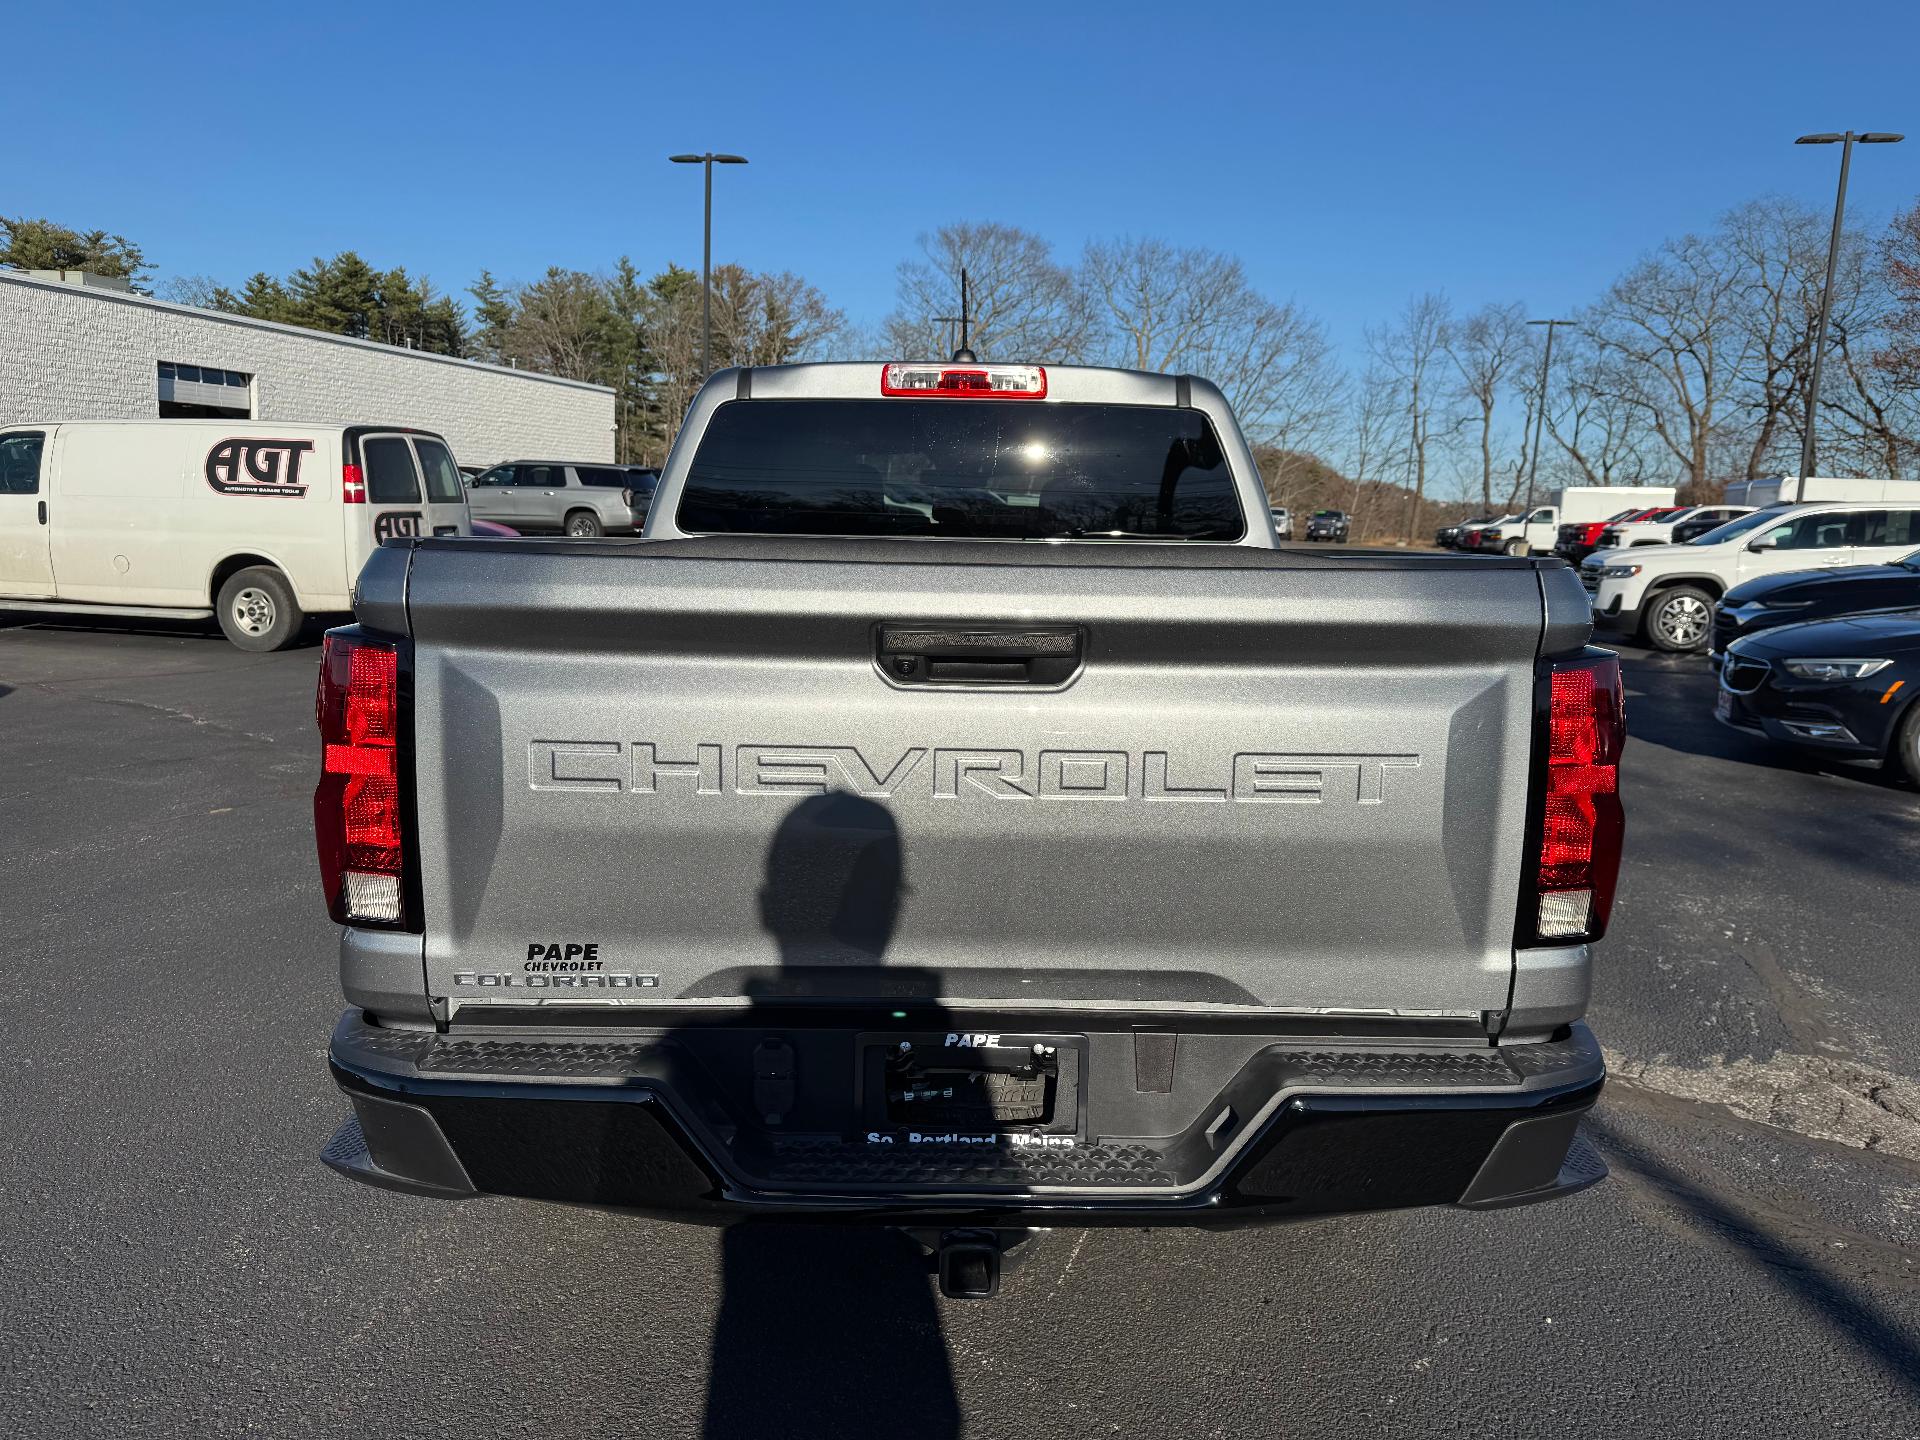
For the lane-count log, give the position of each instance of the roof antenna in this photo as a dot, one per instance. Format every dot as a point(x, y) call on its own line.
point(964, 355)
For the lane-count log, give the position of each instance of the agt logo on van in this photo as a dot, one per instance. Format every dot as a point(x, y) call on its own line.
point(257, 467)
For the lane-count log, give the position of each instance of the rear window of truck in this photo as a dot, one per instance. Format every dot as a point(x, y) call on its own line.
point(960, 469)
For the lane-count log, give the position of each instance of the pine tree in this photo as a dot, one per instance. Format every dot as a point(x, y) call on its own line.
point(493, 313)
point(30, 244)
point(341, 296)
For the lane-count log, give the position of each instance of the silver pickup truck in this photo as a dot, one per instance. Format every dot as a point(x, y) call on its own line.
point(1023, 838)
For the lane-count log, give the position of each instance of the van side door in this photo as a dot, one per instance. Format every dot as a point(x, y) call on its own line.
point(446, 496)
point(26, 552)
point(394, 508)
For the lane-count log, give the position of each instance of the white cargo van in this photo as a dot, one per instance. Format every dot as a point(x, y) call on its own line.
point(259, 524)
point(1535, 533)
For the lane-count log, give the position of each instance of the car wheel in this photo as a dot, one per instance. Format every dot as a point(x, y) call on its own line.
point(1679, 619)
point(257, 612)
point(1515, 547)
point(584, 525)
point(1906, 745)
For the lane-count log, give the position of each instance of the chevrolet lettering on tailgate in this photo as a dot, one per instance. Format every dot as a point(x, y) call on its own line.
point(642, 768)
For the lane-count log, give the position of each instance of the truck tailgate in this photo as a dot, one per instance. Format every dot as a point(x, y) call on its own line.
point(655, 773)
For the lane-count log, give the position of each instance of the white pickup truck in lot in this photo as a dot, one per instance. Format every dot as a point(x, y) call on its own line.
point(1536, 532)
point(1046, 848)
point(1658, 528)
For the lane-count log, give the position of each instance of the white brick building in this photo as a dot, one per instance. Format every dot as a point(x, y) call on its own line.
point(76, 351)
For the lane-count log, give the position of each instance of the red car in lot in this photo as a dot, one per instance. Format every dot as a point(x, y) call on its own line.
point(1575, 542)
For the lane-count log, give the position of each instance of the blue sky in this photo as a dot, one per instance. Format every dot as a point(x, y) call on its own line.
point(1351, 155)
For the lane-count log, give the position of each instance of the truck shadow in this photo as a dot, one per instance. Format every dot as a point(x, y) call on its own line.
point(821, 1329)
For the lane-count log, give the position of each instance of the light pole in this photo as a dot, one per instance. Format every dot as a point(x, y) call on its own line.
point(708, 159)
point(1539, 415)
point(1846, 142)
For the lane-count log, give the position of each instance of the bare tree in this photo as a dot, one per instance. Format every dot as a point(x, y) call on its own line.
point(1176, 310)
point(1881, 418)
point(1410, 350)
point(1373, 443)
point(561, 325)
point(1899, 355)
point(1024, 305)
point(1869, 419)
point(1598, 429)
point(770, 319)
point(1670, 323)
point(201, 291)
point(1782, 246)
point(1487, 349)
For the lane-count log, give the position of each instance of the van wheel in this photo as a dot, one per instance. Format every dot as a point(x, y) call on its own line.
point(256, 610)
point(1516, 547)
point(1680, 619)
point(584, 525)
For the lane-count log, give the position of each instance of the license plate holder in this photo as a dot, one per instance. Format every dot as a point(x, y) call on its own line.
point(977, 1086)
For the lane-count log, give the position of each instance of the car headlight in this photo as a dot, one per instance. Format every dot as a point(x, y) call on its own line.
point(1833, 670)
point(1619, 572)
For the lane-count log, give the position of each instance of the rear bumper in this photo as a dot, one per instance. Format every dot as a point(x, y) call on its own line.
point(643, 1123)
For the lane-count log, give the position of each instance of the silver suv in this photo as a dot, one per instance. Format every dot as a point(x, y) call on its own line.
point(535, 496)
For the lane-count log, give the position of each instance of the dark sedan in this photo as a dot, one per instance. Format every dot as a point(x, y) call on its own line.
point(1800, 595)
point(1842, 687)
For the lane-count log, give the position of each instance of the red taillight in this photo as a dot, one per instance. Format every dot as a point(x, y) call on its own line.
point(962, 382)
point(356, 806)
point(353, 489)
point(1594, 532)
point(1582, 823)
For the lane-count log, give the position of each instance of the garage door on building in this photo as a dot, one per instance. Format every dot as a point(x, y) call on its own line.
point(204, 392)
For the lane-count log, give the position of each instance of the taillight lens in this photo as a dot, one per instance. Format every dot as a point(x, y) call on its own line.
point(356, 806)
point(353, 488)
point(1582, 823)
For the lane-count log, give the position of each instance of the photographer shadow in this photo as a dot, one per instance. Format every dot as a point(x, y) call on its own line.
point(824, 1329)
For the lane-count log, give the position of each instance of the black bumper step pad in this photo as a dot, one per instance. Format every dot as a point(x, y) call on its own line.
point(815, 1163)
point(426, 1053)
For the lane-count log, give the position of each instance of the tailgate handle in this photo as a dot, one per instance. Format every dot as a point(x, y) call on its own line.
point(1015, 655)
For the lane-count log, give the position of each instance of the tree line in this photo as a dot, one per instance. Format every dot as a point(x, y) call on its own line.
point(1690, 369)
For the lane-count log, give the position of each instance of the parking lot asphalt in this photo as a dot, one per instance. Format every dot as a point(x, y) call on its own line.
point(178, 1263)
